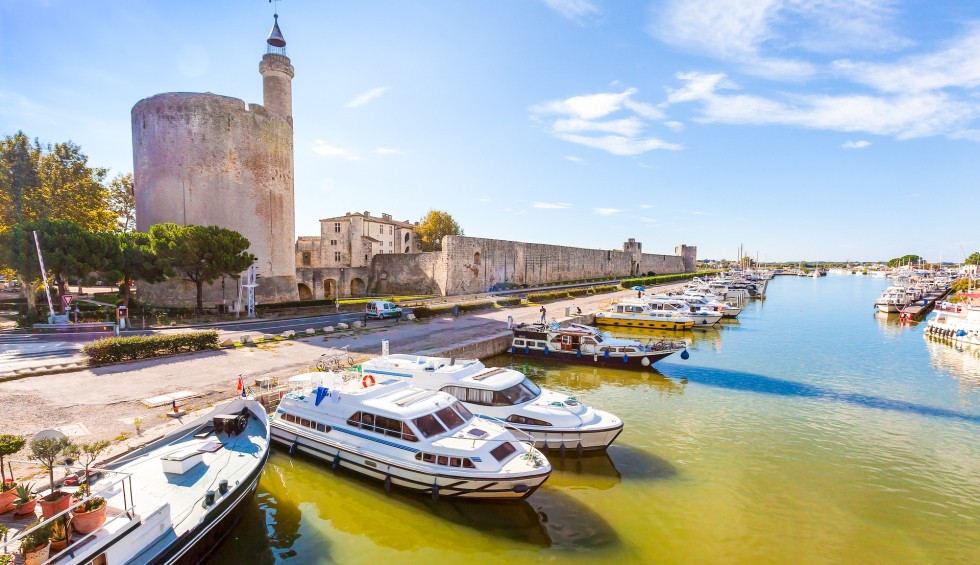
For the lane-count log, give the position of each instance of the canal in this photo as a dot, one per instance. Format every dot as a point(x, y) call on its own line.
point(812, 430)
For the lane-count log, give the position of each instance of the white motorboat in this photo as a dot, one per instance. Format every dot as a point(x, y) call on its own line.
point(175, 499)
point(702, 315)
point(955, 322)
point(586, 345)
point(421, 440)
point(554, 420)
point(636, 313)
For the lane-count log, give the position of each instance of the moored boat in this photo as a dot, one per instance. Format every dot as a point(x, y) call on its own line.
point(174, 500)
point(421, 440)
point(579, 343)
point(635, 313)
point(554, 420)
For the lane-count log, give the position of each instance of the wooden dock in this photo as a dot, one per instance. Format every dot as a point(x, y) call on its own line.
point(921, 307)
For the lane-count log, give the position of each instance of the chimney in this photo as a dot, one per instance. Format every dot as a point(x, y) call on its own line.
point(367, 214)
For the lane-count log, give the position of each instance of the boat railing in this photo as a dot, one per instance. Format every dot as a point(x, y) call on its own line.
point(520, 434)
point(107, 490)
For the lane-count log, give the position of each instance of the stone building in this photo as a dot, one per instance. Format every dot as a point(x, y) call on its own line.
point(468, 265)
point(207, 159)
point(340, 257)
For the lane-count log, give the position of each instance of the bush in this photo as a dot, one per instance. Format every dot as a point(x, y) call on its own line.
point(115, 349)
point(512, 301)
point(570, 293)
point(294, 304)
point(660, 279)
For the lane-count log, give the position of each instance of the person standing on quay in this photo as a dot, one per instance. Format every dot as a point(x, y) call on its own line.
point(543, 314)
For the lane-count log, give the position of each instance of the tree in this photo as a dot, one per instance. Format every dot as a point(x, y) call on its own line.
point(51, 181)
point(973, 259)
point(434, 226)
point(201, 254)
point(122, 202)
point(49, 450)
point(18, 254)
point(906, 260)
point(135, 259)
point(70, 251)
point(9, 444)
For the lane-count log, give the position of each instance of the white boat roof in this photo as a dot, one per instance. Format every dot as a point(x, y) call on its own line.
point(434, 371)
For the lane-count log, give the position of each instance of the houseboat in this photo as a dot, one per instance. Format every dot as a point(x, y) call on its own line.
point(635, 313)
point(578, 343)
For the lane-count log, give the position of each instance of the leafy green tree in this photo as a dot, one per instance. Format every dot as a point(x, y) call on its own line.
point(201, 254)
point(434, 226)
point(973, 259)
point(18, 254)
point(70, 251)
point(51, 181)
point(135, 259)
point(122, 202)
point(906, 260)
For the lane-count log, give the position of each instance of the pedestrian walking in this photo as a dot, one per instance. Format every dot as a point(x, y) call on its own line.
point(544, 313)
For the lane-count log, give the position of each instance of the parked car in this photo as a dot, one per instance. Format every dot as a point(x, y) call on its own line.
point(382, 309)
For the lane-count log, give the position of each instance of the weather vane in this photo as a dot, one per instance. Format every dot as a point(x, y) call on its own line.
point(275, 6)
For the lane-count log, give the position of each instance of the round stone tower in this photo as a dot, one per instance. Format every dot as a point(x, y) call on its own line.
point(206, 159)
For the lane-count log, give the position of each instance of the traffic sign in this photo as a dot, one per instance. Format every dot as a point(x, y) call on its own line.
point(67, 298)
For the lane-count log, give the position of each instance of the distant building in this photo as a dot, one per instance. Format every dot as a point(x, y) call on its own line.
point(340, 257)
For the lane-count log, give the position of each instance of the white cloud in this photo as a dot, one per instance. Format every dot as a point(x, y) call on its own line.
point(484, 200)
point(322, 148)
point(388, 151)
point(551, 205)
point(647, 206)
point(577, 160)
point(366, 97)
point(644, 165)
point(674, 125)
point(578, 119)
point(573, 9)
point(606, 211)
point(760, 35)
point(860, 144)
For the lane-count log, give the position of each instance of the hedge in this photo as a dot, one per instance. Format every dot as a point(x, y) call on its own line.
point(660, 279)
point(570, 293)
point(295, 304)
point(444, 309)
point(115, 349)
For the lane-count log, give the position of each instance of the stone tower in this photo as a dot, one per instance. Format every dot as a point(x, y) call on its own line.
point(690, 255)
point(207, 159)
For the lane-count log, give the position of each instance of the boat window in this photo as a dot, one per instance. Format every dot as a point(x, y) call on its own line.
point(468, 464)
point(502, 451)
point(518, 419)
point(418, 456)
point(518, 342)
point(407, 433)
point(428, 458)
point(455, 462)
point(517, 394)
point(449, 418)
point(462, 411)
point(443, 460)
point(598, 339)
point(429, 425)
point(355, 420)
point(304, 422)
point(479, 396)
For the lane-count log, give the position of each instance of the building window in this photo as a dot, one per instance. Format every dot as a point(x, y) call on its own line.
point(381, 229)
point(333, 242)
point(307, 258)
point(336, 256)
point(406, 238)
point(391, 230)
point(407, 249)
point(365, 257)
point(391, 243)
point(336, 227)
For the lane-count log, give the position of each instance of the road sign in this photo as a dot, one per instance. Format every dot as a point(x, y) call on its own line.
point(67, 298)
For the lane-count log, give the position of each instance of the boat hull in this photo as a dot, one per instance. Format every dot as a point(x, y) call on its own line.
point(381, 468)
point(889, 308)
point(617, 361)
point(639, 323)
point(590, 440)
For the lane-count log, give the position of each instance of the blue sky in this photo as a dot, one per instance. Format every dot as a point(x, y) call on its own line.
point(813, 129)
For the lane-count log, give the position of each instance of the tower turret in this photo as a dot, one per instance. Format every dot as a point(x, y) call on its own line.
point(277, 75)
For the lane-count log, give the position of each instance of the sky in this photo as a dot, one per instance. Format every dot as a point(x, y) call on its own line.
point(803, 129)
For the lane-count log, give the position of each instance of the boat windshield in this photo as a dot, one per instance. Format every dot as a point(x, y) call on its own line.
point(598, 338)
point(429, 425)
point(520, 393)
point(450, 418)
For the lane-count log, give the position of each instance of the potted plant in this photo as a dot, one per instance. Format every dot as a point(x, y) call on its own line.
point(60, 533)
point(35, 546)
point(9, 444)
point(90, 514)
point(25, 501)
point(49, 450)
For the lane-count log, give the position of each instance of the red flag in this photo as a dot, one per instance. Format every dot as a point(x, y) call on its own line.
point(240, 386)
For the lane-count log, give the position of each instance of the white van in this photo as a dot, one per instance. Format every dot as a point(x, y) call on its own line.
point(382, 309)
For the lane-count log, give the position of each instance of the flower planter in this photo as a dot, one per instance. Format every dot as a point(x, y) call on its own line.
point(54, 503)
point(88, 522)
point(38, 555)
point(7, 499)
point(26, 508)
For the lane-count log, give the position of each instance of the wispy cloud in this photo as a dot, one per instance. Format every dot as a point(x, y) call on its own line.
point(388, 151)
point(606, 211)
point(576, 160)
point(860, 144)
point(551, 205)
point(647, 206)
point(573, 9)
point(484, 200)
point(675, 125)
point(515, 211)
point(322, 148)
point(366, 97)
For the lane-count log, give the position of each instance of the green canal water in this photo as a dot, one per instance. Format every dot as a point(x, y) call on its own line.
point(812, 430)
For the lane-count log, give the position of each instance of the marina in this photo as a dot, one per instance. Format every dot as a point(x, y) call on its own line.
point(860, 447)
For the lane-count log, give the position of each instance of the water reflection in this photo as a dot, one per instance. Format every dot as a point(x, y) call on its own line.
point(960, 360)
point(574, 377)
point(603, 470)
point(891, 325)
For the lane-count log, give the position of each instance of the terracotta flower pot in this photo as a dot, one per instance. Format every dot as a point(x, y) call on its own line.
point(38, 555)
point(7, 499)
point(26, 508)
point(50, 506)
point(88, 522)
